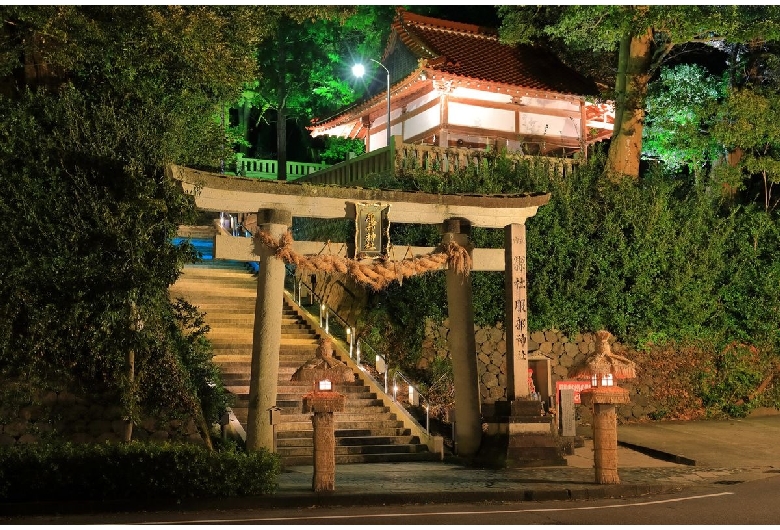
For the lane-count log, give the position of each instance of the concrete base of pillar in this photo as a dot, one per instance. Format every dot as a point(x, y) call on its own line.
point(521, 437)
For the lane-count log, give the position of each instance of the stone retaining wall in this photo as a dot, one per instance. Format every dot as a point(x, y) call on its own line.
point(64, 416)
point(563, 353)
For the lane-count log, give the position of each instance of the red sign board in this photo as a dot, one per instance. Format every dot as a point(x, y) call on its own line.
point(577, 386)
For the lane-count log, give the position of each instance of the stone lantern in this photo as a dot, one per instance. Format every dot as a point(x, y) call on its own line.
point(603, 368)
point(324, 371)
point(323, 402)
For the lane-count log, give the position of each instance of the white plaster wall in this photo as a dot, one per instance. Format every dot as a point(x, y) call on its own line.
point(469, 116)
point(422, 122)
point(471, 93)
point(556, 125)
point(419, 102)
point(551, 103)
point(378, 140)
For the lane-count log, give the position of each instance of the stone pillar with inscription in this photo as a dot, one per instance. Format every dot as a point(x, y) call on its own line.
point(520, 434)
point(516, 312)
point(463, 347)
point(266, 337)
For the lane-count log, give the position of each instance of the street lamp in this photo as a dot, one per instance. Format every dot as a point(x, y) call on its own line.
point(358, 70)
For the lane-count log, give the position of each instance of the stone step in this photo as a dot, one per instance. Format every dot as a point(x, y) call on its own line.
point(232, 319)
point(364, 405)
point(385, 458)
point(366, 431)
point(238, 363)
point(342, 418)
point(364, 426)
point(225, 287)
point(286, 452)
point(288, 399)
point(223, 278)
point(382, 441)
point(242, 338)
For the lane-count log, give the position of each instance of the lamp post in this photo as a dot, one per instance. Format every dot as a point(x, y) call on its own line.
point(358, 70)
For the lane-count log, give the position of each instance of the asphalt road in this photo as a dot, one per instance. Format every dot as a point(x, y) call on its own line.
point(753, 502)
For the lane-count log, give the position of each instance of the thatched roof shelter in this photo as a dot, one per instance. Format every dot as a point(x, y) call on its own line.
point(603, 362)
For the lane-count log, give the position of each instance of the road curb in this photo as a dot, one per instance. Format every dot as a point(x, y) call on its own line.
point(334, 499)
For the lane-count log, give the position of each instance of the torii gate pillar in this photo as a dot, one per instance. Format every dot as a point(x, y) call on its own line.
point(267, 334)
point(463, 347)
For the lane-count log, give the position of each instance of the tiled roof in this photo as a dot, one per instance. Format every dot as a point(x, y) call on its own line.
point(475, 52)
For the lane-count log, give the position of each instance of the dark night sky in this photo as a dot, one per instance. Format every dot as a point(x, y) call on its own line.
point(482, 15)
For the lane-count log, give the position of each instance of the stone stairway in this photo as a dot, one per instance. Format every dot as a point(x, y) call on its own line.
point(365, 432)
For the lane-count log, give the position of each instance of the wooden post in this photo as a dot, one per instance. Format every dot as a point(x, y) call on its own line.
point(266, 338)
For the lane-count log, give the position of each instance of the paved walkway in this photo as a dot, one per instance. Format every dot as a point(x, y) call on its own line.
point(684, 454)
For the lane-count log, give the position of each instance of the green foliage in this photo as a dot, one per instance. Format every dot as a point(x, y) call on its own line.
point(134, 471)
point(679, 115)
point(643, 36)
point(339, 149)
point(304, 68)
point(661, 257)
point(749, 122)
point(730, 379)
point(88, 208)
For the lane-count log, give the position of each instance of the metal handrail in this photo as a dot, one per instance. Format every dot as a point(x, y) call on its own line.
point(324, 313)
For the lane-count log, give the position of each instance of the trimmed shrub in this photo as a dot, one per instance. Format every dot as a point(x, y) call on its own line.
point(134, 471)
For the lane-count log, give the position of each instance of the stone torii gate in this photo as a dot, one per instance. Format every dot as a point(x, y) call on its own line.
point(276, 203)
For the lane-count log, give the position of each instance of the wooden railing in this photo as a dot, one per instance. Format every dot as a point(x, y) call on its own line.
point(353, 172)
point(267, 169)
point(389, 161)
point(449, 159)
point(400, 156)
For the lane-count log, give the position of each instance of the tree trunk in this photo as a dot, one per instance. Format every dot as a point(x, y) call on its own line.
point(203, 427)
point(281, 111)
point(127, 435)
point(281, 143)
point(631, 87)
point(243, 123)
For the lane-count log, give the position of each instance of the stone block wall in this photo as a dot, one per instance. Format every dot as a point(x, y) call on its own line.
point(65, 416)
point(562, 351)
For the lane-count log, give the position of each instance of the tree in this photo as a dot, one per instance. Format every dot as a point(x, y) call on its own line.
point(749, 123)
point(305, 70)
point(96, 101)
point(679, 108)
point(644, 36)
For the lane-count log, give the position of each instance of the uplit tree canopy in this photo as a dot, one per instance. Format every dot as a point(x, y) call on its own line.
point(304, 69)
point(680, 109)
point(643, 37)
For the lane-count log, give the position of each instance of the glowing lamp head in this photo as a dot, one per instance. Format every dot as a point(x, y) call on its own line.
point(358, 70)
